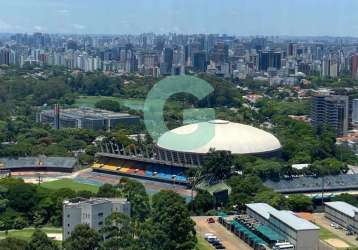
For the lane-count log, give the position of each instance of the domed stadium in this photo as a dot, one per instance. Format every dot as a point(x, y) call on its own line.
point(237, 138)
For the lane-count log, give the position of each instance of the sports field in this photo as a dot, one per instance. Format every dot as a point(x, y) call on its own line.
point(90, 101)
point(71, 184)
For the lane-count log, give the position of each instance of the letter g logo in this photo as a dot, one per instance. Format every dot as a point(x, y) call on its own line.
point(154, 119)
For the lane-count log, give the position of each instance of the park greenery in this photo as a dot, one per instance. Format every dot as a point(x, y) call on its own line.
point(152, 225)
point(162, 222)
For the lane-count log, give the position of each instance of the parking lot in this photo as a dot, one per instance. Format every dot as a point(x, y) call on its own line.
point(228, 239)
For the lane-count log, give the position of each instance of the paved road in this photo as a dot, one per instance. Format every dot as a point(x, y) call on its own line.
point(228, 239)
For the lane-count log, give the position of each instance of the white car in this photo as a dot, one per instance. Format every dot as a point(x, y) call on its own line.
point(208, 235)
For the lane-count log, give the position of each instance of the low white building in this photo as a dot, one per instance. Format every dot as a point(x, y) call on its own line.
point(299, 232)
point(343, 214)
point(92, 212)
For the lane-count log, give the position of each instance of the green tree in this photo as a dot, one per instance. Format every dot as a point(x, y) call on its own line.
point(107, 190)
point(136, 194)
point(118, 232)
point(12, 244)
point(171, 216)
point(349, 198)
point(108, 105)
point(270, 197)
point(202, 202)
point(152, 237)
point(40, 241)
point(299, 203)
point(218, 164)
point(329, 166)
point(20, 222)
point(82, 238)
point(22, 197)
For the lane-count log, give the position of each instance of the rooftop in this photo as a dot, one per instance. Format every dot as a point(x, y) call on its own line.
point(262, 209)
point(92, 201)
point(343, 207)
point(88, 113)
point(311, 184)
point(294, 221)
point(228, 136)
point(269, 233)
point(287, 217)
point(31, 162)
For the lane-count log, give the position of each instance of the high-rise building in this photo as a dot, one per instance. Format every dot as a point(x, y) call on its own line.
point(331, 111)
point(5, 56)
point(166, 61)
point(330, 66)
point(354, 66)
point(220, 53)
point(92, 212)
point(290, 49)
point(355, 110)
point(269, 59)
point(200, 62)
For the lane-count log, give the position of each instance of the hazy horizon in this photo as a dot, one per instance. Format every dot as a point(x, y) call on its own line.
point(294, 18)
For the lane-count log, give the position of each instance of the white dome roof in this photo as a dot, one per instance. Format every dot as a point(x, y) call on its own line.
point(235, 137)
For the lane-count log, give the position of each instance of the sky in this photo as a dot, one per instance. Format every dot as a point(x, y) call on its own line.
point(235, 17)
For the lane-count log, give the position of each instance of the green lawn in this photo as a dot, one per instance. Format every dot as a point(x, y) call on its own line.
point(90, 101)
point(26, 233)
point(202, 244)
point(325, 234)
point(69, 183)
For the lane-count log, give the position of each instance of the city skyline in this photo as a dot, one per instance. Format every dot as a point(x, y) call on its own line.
point(240, 17)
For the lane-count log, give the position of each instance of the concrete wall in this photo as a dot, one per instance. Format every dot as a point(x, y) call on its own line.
point(70, 219)
point(307, 239)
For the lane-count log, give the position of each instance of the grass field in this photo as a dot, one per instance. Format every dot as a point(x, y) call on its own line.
point(69, 183)
point(90, 101)
point(26, 233)
point(325, 234)
point(202, 245)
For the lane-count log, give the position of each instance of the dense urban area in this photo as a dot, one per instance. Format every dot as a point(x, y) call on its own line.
point(80, 171)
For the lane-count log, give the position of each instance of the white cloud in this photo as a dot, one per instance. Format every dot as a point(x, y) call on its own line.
point(78, 26)
point(39, 28)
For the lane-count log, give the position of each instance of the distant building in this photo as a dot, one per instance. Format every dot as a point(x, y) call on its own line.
point(354, 66)
point(269, 59)
point(92, 212)
point(330, 66)
point(200, 62)
point(301, 233)
point(220, 53)
point(343, 214)
point(166, 61)
point(330, 110)
point(87, 118)
point(355, 111)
